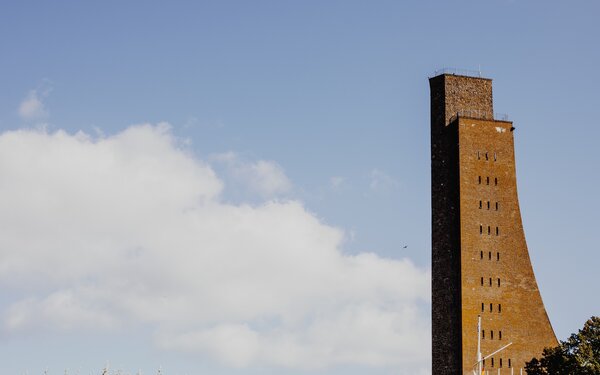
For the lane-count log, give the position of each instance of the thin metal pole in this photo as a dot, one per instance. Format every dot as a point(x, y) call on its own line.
point(478, 344)
point(497, 351)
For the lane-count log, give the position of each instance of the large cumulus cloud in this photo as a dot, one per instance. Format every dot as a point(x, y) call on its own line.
point(102, 233)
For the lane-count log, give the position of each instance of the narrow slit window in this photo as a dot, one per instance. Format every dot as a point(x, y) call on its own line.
point(498, 282)
point(500, 358)
point(498, 256)
point(499, 308)
point(509, 363)
point(490, 281)
point(479, 180)
point(497, 231)
point(496, 181)
point(492, 310)
point(491, 338)
point(486, 156)
point(489, 255)
point(483, 363)
point(480, 205)
point(482, 281)
point(500, 338)
point(488, 204)
point(480, 229)
point(483, 333)
point(482, 307)
point(492, 358)
point(481, 254)
point(487, 180)
point(478, 156)
point(495, 156)
point(496, 206)
point(489, 230)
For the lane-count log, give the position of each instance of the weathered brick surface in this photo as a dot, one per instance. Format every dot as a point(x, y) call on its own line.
point(469, 266)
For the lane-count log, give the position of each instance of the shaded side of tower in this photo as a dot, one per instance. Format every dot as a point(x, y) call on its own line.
point(480, 261)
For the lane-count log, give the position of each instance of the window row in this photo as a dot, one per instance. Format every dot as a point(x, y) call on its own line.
point(491, 307)
point(489, 230)
point(489, 255)
point(486, 155)
point(488, 204)
point(487, 180)
point(491, 334)
point(491, 283)
point(500, 362)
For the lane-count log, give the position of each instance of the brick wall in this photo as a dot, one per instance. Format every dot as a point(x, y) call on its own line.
point(495, 265)
point(462, 250)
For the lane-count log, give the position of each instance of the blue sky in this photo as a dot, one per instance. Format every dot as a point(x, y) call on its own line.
point(311, 113)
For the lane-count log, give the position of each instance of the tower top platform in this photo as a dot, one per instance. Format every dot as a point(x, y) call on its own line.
point(458, 72)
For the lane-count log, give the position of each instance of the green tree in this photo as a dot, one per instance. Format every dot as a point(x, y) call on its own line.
point(578, 355)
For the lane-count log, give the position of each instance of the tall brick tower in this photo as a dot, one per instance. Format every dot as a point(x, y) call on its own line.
point(480, 261)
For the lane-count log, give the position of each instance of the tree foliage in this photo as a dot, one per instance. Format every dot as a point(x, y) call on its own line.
point(578, 355)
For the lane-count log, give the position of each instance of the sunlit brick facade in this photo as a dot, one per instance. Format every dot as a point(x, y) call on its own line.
point(480, 261)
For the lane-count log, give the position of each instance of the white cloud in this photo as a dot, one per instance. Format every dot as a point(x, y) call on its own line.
point(336, 182)
point(129, 230)
point(263, 177)
point(382, 182)
point(32, 107)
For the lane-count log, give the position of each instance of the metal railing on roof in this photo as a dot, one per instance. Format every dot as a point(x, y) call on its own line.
point(479, 114)
point(457, 72)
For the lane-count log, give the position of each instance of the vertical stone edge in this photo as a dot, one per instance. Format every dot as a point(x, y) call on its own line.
point(445, 226)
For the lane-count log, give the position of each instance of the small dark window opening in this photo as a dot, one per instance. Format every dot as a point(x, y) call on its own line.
point(500, 338)
point(498, 281)
point(495, 156)
point(492, 358)
point(490, 281)
point(486, 156)
point(500, 359)
point(481, 254)
point(496, 206)
point(491, 310)
point(489, 255)
point(483, 333)
point(484, 363)
point(482, 307)
point(509, 364)
point(479, 180)
point(488, 204)
point(480, 205)
point(491, 338)
point(487, 180)
point(489, 229)
point(480, 229)
point(482, 281)
point(478, 156)
point(495, 181)
point(497, 231)
point(498, 256)
point(499, 308)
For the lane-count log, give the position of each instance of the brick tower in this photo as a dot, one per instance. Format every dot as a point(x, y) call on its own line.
point(480, 262)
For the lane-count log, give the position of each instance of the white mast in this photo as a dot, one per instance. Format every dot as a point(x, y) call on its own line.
point(478, 344)
point(480, 359)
